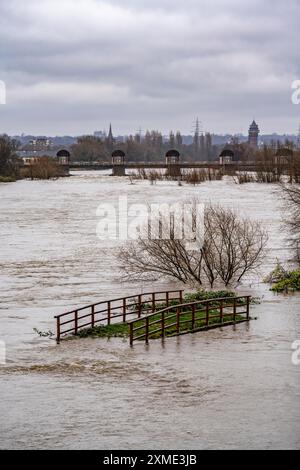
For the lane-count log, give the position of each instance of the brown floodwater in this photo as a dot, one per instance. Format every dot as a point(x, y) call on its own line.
point(234, 387)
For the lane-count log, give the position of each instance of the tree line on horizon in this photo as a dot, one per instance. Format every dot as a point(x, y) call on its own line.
point(149, 148)
point(152, 148)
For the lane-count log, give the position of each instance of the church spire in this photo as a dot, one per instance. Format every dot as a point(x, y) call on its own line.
point(110, 138)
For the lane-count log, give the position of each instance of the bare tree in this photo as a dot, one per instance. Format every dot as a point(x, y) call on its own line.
point(43, 168)
point(161, 257)
point(236, 245)
point(8, 159)
point(90, 149)
point(232, 247)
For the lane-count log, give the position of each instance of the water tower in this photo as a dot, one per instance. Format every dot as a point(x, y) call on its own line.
point(253, 135)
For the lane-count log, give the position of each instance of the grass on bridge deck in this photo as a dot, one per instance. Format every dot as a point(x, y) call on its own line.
point(170, 321)
point(122, 329)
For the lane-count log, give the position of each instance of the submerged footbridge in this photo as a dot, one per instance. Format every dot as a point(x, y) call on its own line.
point(154, 315)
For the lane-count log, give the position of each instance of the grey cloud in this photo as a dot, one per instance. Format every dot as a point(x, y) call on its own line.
point(73, 65)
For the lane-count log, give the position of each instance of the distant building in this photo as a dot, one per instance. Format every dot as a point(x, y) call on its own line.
point(29, 160)
point(120, 139)
point(100, 135)
point(253, 135)
point(40, 144)
point(24, 154)
point(36, 147)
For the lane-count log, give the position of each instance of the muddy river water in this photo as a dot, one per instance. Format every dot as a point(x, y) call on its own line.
point(234, 387)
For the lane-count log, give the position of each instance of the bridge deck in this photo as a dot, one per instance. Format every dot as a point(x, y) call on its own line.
point(158, 165)
point(151, 319)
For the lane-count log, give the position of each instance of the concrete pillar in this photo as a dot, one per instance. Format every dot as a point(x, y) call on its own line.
point(118, 163)
point(173, 164)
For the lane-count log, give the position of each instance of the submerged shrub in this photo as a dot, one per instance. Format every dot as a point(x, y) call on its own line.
point(278, 274)
point(291, 282)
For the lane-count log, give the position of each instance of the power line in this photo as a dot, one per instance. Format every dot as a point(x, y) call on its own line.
point(197, 129)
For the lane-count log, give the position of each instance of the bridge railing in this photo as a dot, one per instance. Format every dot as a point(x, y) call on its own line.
point(112, 311)
point(191, 316)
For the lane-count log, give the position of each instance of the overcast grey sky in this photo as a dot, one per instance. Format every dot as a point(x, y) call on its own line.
point(72, 66)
